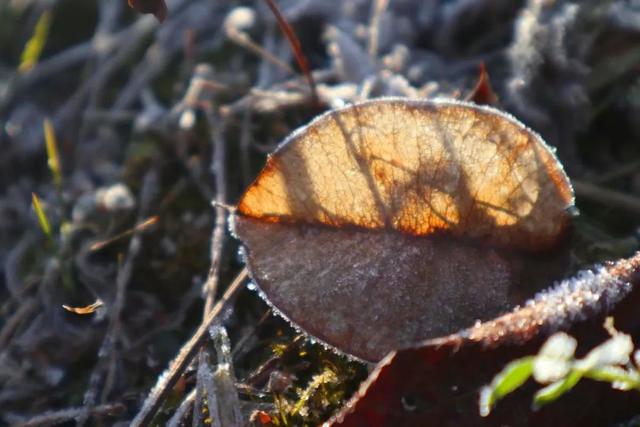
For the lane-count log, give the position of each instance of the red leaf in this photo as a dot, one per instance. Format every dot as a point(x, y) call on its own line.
point(482, 92)
point(438, 382)
point(157, 7)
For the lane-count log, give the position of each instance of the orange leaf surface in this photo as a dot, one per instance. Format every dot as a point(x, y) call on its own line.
point(392, 221)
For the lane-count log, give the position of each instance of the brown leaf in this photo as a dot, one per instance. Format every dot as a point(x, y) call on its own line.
point(385, 223)
point(482, 92)
point(157, 7)
point(86, 309)
point(438, 382)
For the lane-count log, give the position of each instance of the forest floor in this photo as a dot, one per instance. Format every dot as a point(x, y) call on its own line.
point(150, 122)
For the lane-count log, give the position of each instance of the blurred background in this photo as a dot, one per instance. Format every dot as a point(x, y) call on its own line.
point(117, 131)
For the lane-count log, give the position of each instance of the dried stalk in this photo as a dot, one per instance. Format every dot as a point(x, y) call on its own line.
point(186, 354)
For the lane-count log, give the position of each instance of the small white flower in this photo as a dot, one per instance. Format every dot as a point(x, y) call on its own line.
point(615, 351)
point(554, 359)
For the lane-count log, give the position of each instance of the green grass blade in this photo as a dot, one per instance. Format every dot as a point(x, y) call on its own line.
point(35, 45)
point(53, 158)
point(42, 217)
point(510, 378)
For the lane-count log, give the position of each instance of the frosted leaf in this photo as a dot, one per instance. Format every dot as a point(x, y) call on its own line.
point(392, 221)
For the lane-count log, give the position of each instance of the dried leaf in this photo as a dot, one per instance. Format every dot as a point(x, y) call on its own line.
point(88, 309)
point(385, 223)
point(482, 92)
point(157, 7)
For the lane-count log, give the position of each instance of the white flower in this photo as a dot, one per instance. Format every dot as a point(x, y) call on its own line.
point(553, 362)
point(615, 351)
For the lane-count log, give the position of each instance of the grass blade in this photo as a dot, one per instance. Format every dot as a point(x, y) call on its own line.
point(42, 217)
point(35, 45)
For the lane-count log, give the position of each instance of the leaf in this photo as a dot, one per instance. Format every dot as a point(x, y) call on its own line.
point(483, 93)
point(42, 217)
point(446, 372)
point(553, 391)
point(53, 158)
point(512, 376)
point(620, 378)
point(35, 45)
point(156, 7)
point(389, 222)
point(86, 309)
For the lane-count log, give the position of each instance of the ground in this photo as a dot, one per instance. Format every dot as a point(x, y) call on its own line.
point(150, 122)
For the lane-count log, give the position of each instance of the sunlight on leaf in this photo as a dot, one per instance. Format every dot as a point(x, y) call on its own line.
point(512, 376)
point(390, 193)
point(35, 45)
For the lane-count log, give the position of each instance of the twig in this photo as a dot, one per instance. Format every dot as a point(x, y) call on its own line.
point(195, 16)
point(138, 32)
point(200, 393)
point(24, 311)
point(243, 39)
point(606, 196)
point(296, 47)
point(112, 337)
point(136, 228)
point(64, 415)
point(186, 354)
point(13, 263)
point(218, 236)
point(379, 7)
point(245, 144)
point(618, 172)
point(182, 411)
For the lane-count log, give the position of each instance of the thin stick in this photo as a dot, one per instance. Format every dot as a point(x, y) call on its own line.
point(185, 355)
point(218, 235)
point(139, 227)
point(245, 41)
point(374, 27)
point(106, 366)
point(606, 196)
point(618, 172)
point(295, 46)
point(182, 411)
point(64, 415)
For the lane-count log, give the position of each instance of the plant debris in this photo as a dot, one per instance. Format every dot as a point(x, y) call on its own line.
point(127, 129)
point(397, 220)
